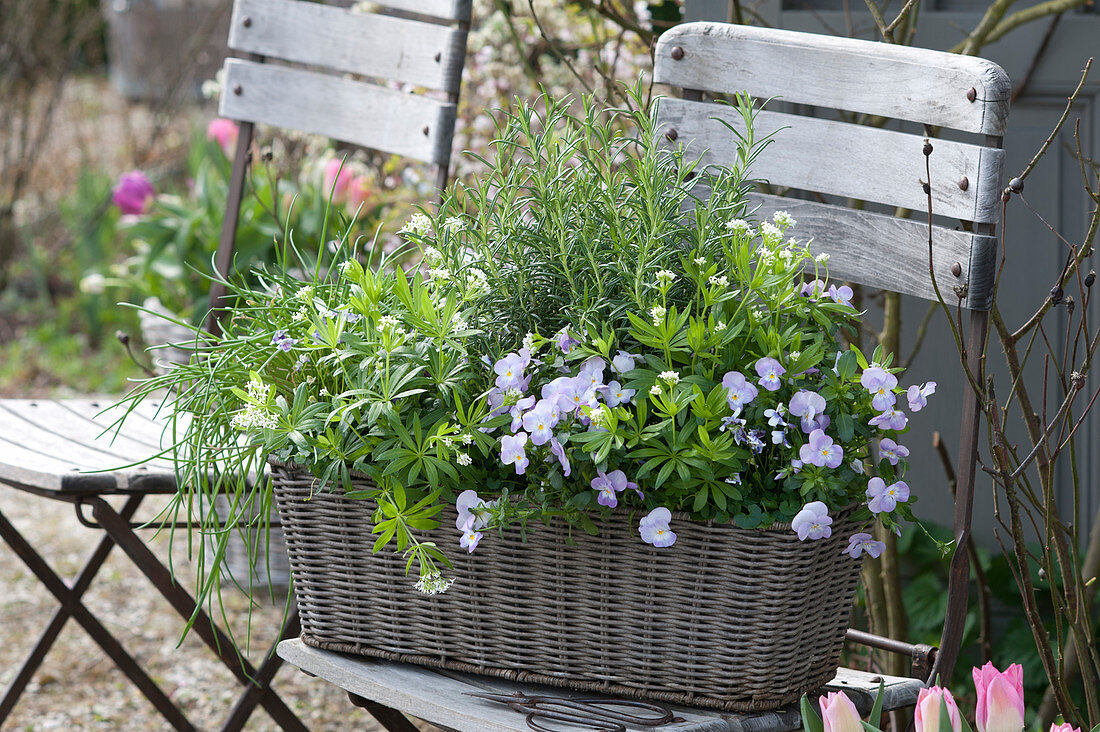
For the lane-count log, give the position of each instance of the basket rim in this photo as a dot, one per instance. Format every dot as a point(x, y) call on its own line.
point(782, 526)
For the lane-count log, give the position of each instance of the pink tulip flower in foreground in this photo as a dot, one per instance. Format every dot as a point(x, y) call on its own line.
point(929, 705)
point(134, 193)
point(1064, 727)
point(839, 714)
point(1000, 698)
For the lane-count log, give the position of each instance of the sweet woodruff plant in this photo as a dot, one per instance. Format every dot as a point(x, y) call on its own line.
point(597, 324)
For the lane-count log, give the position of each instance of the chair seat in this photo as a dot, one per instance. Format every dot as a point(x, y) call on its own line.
point(441, 697)
point(74, 447)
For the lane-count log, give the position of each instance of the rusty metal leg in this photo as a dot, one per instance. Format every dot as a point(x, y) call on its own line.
point(958, 584)
point(389, 718)
point(261, 685)
point(215, 639)
point(73, 607)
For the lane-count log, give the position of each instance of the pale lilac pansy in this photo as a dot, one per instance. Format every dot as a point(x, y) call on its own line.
point(813, 522)
point(654, 528)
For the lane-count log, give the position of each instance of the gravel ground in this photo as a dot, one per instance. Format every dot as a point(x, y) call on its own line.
point(79, 688)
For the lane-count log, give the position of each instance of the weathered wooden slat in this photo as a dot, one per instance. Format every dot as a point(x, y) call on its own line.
point(888, 253)
point(900, 82)
point(855, 161)
point(443, 9)
point(403, 124)
point(379, 46)
point(441, 697)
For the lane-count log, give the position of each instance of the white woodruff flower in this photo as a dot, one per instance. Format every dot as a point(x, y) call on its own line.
point(699, 261)
point(719, 281)
point(442, 273)
point(657, 312)
point(418, 224)
point(670, 376)
point(304, 294)
point(719, 326)
point(822, 258)
point(433, 583)
point(454, 224)
point(665, 276)
point(463, 459)
point(529, 341)
point(432, 255)
point(771, 232)
point(740, 227)
point(655, 389)
point(783, 220)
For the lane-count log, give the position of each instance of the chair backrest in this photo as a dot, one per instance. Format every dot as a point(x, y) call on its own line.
point(865, 163)
point(388, 82)
point(855, 161)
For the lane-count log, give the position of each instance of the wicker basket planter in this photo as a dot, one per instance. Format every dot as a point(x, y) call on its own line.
point(744, 620)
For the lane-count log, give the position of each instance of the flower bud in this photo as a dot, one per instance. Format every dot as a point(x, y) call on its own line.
point(1090, 278)
point(839, 713)
point(225, 133)
point(929, 705)
point(1064, 727)
point(1000, 698)
point(134, 193)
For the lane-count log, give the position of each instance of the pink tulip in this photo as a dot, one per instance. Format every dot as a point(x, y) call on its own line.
point(224, 132)
point(338, 177)
point(1000, 698)
point(839, 713)
point(134, 193)
point(1064, 727)
point(360, 191)
point(928, 710)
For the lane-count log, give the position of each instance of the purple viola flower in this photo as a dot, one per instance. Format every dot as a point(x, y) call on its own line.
point(517, 410)
point(623, 362)
point(891, 450)
point(882, 498)
point(813, 522)
point(755, 440)
point(739, 391)
point(539, 421)
point(283, 341)
point(565, 341)
point(857, 466)
point(134, 194)
point(610, 484)
point(592, 371)
point(779, 437)
point(862, 542)
point(813, 290)
point(512, 451)
point(654, 528)
point(735, 423)
point(769, 371)
point(614, 394)
point(891, 419)
point(509, 371)
point(796, 466)
point(809, 405)
point(841, 295)
point(470, 536)
point(880, 383)
point(918, 395)
point(821, 451)
point(775, 416)
point(557, 451)
point(471, 508)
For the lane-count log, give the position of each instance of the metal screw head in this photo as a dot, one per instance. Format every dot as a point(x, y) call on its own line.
point(971, 94)
point(438, 56)
point(425, 130)
point(1016, 185)
point(238, 89)
point(964, 183)
point(957, 269)
point(677, 53)
point(247, 22)
point(672, 134)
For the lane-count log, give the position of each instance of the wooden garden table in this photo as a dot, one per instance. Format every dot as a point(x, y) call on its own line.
point(389, 690)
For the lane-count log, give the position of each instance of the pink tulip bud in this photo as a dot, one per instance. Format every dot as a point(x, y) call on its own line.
point(839, 713)
point(224, 132)
point(1000, 698)
point(1064, 727)
point(928, 710)
point(360, 192)
point(338, 177)
point(134, 193)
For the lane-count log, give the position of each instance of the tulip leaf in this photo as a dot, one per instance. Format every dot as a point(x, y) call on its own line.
point(945, 717)
point(810, 721)
point(868, 727)
point(1096, 728)
point(876, 710)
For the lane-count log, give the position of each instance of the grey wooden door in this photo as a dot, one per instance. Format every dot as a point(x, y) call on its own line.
point(1035, 257)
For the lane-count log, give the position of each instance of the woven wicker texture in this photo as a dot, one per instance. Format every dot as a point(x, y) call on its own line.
point(744, 620)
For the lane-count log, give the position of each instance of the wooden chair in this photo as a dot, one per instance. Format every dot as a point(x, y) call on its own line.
point(868, 163)
point(818, 156)
point(47, 447)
